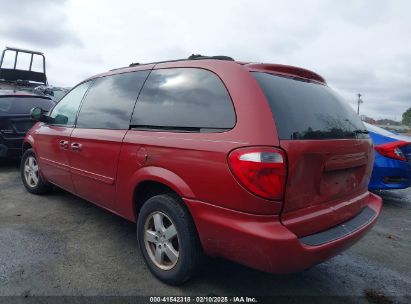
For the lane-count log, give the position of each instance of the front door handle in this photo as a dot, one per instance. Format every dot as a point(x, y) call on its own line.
point(63, 144)
point(76, 147)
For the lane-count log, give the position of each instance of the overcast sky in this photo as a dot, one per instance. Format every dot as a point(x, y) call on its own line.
point(357, 46)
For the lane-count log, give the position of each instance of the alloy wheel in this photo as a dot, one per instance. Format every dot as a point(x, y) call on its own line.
point(31, 171)
point(161, 240)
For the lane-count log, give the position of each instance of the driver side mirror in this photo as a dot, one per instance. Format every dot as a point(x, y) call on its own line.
point(37, 114)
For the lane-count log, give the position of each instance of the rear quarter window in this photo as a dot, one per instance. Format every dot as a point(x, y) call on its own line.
point(306, 110)
point(184, 98)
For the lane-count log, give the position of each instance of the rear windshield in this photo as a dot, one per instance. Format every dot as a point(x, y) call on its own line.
point(306, 110)
point(23, 105)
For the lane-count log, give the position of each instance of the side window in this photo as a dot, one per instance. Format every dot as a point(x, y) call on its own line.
point(65, 112)
point(110, 101)
point(184, 98)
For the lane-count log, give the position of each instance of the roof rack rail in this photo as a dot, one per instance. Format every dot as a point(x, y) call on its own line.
point(11, 48)
point(191, 57)
point(15, 72)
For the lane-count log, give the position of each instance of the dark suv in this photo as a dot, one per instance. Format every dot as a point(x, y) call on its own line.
point(15, 118)
point(262, 164)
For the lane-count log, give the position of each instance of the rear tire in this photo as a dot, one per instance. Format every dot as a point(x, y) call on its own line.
point(168, 239)
point(31, 176)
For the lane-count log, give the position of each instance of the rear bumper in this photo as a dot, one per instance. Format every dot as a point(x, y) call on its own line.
point(262, 242)
point(10, 146)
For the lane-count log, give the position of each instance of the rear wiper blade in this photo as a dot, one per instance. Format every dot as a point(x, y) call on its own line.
point(361, 131)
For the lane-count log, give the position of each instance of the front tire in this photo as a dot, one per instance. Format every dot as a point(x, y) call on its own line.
point(168, 239)
point(30, 174)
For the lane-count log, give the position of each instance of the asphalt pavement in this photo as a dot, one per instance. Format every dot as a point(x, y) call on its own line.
point(61, 245)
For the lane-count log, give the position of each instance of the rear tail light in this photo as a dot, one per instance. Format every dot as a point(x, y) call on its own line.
point(392, 150)
point(261, 170)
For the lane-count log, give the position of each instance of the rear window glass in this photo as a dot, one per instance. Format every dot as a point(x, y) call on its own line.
point(184, 99)
point(306, 110)
point(23, 105)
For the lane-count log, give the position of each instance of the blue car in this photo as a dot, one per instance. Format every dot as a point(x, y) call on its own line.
point(392, 166)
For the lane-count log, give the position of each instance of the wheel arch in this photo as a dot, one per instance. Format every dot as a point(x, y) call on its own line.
point(151, 181)
point(26, 146)
point(28, 143)
point(146, 189)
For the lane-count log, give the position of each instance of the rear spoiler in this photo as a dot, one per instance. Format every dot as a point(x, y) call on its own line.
point(287, 70)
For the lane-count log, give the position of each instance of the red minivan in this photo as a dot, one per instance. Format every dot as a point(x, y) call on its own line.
point(262, 164)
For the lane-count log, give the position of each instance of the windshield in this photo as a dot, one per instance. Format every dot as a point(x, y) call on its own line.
point(23, 105)
point(306, 110)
